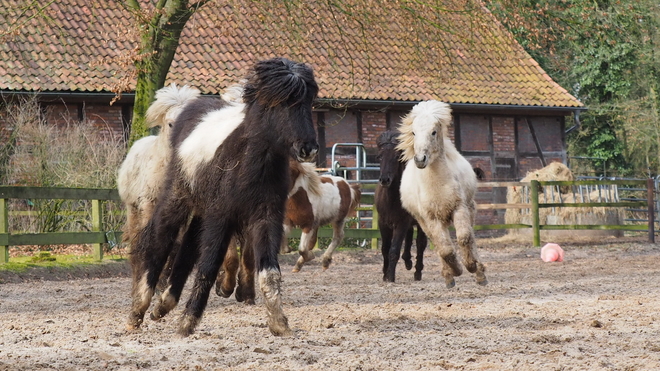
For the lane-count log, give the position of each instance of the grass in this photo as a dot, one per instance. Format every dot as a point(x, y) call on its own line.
point(46, 260)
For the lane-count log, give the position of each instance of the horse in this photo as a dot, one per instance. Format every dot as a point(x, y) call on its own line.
point(396, 225)
point(438, 187)
point(228, 177)
point(313, 201)
point(142, 173)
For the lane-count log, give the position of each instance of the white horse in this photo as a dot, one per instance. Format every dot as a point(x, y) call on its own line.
point(438, 187)
point(141, 175)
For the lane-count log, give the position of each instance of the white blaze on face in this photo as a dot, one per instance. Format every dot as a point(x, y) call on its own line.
point(200, 146)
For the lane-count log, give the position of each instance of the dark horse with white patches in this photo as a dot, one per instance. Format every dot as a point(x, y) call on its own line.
point(314, 201)
point(394, 222)
point(229, 176)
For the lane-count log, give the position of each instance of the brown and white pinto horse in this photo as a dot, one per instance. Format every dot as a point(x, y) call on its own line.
point(316, 200)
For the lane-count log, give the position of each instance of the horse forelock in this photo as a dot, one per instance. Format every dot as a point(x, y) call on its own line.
point(387, 137)
point(277, 81)
point(427, 115)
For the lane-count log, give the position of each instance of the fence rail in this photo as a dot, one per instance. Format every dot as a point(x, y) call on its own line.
point(99, 235)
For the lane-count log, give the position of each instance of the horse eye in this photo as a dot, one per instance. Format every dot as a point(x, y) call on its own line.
point(434, 133)
point(413, 133)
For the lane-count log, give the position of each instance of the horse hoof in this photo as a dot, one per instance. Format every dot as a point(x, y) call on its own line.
point(134, 322)
point(326, 263)
point(249, 301)
point(450, 283)
point(481, 279)
point(187, 325)
point(409, 264)
point(222, 292)
point(295, 270)
point(418, 276)
point(279, 327)
point(131, 327)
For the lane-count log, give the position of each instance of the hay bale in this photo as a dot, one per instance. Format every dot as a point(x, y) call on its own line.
point(555, 171)
point(560, 215)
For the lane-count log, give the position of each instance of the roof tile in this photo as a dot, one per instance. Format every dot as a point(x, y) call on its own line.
point(220, 44)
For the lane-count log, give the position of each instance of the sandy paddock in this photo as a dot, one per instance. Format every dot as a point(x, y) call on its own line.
point(598, 310)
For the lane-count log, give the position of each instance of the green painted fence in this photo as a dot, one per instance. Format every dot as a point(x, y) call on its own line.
point(99, 235)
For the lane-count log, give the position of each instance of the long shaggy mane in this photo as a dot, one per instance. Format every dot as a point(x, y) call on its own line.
point(279, 80)
point(438, 112)
point(169, 102)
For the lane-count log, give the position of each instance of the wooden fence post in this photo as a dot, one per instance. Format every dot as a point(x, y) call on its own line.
point(97, 221)
point(650, 189)
point(4, 228)
point(374, 225)
point(534, 185)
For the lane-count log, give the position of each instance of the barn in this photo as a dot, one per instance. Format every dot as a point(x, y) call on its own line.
point(510, 117)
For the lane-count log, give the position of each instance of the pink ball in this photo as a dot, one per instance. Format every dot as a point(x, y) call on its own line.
point(552, 252)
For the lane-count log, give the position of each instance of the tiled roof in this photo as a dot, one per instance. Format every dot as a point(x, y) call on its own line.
point(79, 45)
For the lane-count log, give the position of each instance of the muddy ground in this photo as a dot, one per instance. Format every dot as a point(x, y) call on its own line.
point(597, 310)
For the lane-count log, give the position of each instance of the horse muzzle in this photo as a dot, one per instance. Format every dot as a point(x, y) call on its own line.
point(421, 161)
point(307, 152)
point(385, 181)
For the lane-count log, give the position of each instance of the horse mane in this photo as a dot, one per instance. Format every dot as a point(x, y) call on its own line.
point(279, 80)
point(234, 93)
point(387, 137)
point(168, 104)
point(432, 110)
point(310, 179)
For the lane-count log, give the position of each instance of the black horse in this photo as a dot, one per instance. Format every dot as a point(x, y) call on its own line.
point(394, 222)
point(228, 177)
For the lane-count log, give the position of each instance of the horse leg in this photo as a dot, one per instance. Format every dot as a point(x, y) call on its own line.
point(152, 248)
point(407, 245)
point(400, 233)
point(264, 238)
point(226, 281)
point(284, 247)
point(465, 237)
point(214, 240)
point(307, 242)
point(386, 234)
point(441, 238)
point(182, 264)
point(245, 290)
point(337, 237)
point(167, 269)
point(421, 242)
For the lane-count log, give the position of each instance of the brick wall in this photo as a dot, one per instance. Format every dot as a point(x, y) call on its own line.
point(373, 124)
point(105, 118)
point(504, 135)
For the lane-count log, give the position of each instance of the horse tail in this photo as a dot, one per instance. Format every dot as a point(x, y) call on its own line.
point(169, 102)
point(356, 195)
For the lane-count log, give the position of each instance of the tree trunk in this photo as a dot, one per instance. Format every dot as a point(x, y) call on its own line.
point(158, 46)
